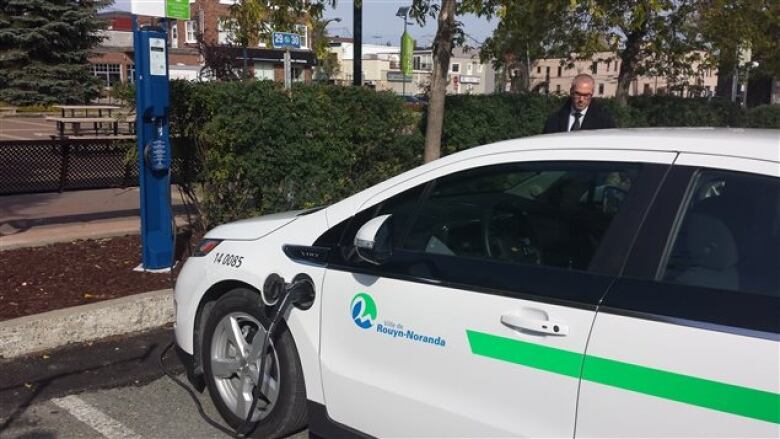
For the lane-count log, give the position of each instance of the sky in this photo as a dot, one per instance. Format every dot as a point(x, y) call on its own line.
point(381, 25)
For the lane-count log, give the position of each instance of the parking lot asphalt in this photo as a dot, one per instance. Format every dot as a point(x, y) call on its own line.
point(111, 389)
point(26, 128)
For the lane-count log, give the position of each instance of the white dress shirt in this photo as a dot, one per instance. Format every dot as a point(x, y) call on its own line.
point(571, 117)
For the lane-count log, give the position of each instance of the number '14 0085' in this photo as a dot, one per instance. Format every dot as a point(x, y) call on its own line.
point(228, 260)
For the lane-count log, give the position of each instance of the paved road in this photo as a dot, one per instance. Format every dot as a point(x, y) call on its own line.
point(26, 128)
point(111, 389)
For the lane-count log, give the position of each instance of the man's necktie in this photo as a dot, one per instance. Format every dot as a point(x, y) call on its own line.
point(576, 125)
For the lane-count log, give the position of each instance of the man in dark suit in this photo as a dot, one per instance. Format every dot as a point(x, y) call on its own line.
point(579, 112)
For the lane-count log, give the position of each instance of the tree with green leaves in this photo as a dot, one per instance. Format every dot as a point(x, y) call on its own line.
point(44, 46)
point(327, 62)
point(520, 38)
point(252, 21)
point(728, 26)
point(658, 37)
point(246, 25)
point(449, 34)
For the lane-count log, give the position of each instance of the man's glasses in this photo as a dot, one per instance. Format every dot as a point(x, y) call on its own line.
point(582, 95)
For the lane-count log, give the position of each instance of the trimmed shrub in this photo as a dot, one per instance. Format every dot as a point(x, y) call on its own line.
point(262, 149)
point(265, 150)
point(672, 111)
point(764, 116)
point(471, 120)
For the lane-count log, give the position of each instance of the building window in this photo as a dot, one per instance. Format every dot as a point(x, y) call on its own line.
point(560, 70)
point(191, 31)
point(174, 36)
point(455, 68)
point(416, 62)
point(303, 31)
point(601, 89)
point(264, 71)
point(558, 87)
point(297, 74)
point(479, 68)
point(547, 71)
point(225, 33)
point(131, 73)
point(539, 69)
point(646, 89)
point(108, 73)
point(469, 68)
point(594, 68)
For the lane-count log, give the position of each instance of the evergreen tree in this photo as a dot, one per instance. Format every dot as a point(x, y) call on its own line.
point(44, 45)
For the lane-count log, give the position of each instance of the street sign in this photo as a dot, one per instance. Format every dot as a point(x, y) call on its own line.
point(286, 40)
point(178, 9)
point(393, 76)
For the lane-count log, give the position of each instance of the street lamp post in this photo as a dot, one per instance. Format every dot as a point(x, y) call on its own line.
point(403, 12)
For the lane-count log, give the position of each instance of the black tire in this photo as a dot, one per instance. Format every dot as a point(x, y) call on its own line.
point(288, 412)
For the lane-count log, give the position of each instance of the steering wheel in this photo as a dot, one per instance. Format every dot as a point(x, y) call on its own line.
point(512, 242)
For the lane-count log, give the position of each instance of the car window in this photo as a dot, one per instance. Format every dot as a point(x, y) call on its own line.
point(546, 214)
point(401, 207)
point(729, 235)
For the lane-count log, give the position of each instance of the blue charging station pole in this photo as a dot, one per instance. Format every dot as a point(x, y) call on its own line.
point(154, 150)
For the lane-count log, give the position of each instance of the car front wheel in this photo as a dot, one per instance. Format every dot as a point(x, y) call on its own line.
point(231, 348)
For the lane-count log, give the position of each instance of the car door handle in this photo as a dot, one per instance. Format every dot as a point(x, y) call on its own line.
point(548, 327)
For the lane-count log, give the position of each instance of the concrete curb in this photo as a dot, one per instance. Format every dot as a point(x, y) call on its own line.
point(39, 332)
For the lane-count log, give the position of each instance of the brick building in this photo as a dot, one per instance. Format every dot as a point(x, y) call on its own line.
point(113, 60)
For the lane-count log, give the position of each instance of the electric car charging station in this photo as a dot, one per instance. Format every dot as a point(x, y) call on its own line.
point(154, 147)
point(152, 112)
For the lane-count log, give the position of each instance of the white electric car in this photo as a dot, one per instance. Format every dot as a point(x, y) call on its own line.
point(605, 283)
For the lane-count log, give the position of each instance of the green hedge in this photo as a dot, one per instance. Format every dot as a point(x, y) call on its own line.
point(764, 116)
point(263, 149)
point(472, 120)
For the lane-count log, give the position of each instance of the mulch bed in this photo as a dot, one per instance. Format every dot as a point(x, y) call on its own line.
point(39, 279)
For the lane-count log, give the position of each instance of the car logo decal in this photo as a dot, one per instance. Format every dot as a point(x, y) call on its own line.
point(363, 310)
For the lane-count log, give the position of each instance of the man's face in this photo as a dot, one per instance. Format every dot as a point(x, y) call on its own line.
point(581, 93)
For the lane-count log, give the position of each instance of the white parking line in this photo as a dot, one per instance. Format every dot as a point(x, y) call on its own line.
point(99, 421)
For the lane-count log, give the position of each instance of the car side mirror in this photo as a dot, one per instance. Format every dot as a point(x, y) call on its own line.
point(373, 242)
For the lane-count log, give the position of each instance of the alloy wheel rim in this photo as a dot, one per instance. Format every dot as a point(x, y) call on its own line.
point(235, 362)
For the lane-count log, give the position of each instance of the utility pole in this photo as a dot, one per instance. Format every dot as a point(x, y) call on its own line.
point(403, 70)
point(357, 47)
point(287, 69)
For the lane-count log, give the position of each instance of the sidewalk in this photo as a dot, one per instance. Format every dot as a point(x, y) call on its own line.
point(40, 219)
point(32, 220)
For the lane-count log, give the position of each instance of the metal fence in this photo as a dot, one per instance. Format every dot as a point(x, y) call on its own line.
point(28, 166)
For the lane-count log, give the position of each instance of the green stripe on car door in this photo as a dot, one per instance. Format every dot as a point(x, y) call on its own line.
point(738, 400)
